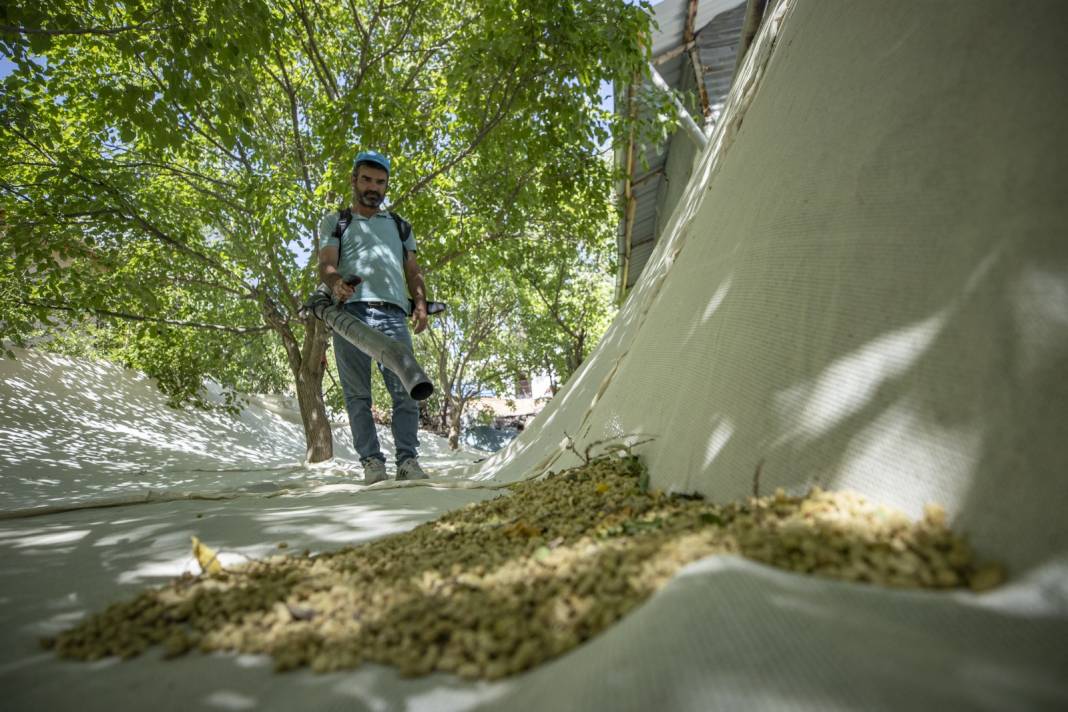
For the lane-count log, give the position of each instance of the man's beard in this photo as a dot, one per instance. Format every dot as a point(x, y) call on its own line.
point(370, 198)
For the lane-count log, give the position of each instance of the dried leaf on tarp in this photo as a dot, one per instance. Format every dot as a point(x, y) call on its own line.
point(206, 557)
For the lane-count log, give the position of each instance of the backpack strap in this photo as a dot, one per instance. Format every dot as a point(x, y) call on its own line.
point(344, 219)
point(404, 230)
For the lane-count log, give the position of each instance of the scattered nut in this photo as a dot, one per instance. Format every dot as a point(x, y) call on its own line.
point(522, 578)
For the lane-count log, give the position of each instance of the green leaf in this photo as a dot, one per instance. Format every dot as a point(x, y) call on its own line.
point(209, 184)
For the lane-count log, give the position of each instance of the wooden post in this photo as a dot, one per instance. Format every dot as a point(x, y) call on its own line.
point(690, 39)
point(754, 15)
point(630, 201)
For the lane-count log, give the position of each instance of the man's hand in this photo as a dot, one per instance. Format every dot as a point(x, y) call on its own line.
point(413, 275)
point(342, 290)
point(419, 317)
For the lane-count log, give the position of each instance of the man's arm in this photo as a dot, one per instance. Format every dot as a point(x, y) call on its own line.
point(413, 273)
point(330, 276)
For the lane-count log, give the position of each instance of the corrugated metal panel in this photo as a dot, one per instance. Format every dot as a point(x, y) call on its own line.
point(642, 250)
point(718, 45)
point(671, 20)
point(719, 24)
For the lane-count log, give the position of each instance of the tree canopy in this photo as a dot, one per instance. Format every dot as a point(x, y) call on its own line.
point(165, 164)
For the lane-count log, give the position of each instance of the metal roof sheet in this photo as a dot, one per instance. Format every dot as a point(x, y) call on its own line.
point(717, 26)
point(671, 20)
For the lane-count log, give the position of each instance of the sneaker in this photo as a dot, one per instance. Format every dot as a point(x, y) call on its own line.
point(410, 470)
point(374, 470)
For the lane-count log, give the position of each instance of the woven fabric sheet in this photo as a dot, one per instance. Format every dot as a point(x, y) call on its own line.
point(866, 283)
point(865, 286)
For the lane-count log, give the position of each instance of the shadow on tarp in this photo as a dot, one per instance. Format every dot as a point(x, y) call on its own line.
point(59, 568)
point(858, 294)
point(74, 431)
point(71, 428)
point(733, 634)
point(726, 633)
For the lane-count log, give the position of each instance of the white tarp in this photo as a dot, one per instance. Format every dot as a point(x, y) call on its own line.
point(864, 286)
point(866, 283)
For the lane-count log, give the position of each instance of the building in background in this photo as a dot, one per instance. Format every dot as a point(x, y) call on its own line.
point(696, 53)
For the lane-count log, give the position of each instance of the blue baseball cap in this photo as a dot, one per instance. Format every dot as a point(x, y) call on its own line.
point(371, 157)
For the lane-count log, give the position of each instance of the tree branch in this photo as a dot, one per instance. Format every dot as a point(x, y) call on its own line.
point(67, 216)
point(484, 131)
point(365, 43)
point(287, 87)
point(17, 30)
point(358, 22)
point(214, 285)
point(283, 283)
point(186, 175)
point(413, 10)
point(242, 160)
point(135, 215)
point(180, 171)
point(318, 63)
point(429, 52)
point(140, 317)
point(466, 250)
point(32, 144)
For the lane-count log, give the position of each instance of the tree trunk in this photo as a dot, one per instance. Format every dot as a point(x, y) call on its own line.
point(443, 425)
point(308, 366)
point(454, 432)
point(577, 352)
point(455, 419)
point(317, 432)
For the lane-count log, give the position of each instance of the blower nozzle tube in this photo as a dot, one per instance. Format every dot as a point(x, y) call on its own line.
point(390, 353)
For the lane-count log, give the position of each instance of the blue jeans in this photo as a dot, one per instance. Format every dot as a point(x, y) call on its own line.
point(354, 368)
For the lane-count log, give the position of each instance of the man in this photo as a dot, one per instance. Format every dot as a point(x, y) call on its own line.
point(371, 248)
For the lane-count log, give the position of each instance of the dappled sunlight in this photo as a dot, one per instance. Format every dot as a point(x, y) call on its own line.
point(716, 300)
point(171, 568)
point(42, 540)
point(61, 621)
point(374, 687)
point(75, 430)
point(126, 537)
point(852, 381)
point(230, 700)
point(903, 435)
point(1039, 592)
point(1040, 302)
point(717, 440)
point(341, 524)
point(41, 537)
point(613, 426)
point(21, 663)
point(252, 661)
point(440, 698)
point(80, 433)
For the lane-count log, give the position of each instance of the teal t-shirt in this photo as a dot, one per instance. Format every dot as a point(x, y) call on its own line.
point(371, 248)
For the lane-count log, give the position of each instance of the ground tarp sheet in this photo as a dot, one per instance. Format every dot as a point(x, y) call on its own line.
point(864, 286)
point(726, 633)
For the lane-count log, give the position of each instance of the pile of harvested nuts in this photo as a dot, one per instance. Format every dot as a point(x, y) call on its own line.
point(500, 586)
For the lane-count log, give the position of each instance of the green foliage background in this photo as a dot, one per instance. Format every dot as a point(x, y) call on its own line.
point(164, 166)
